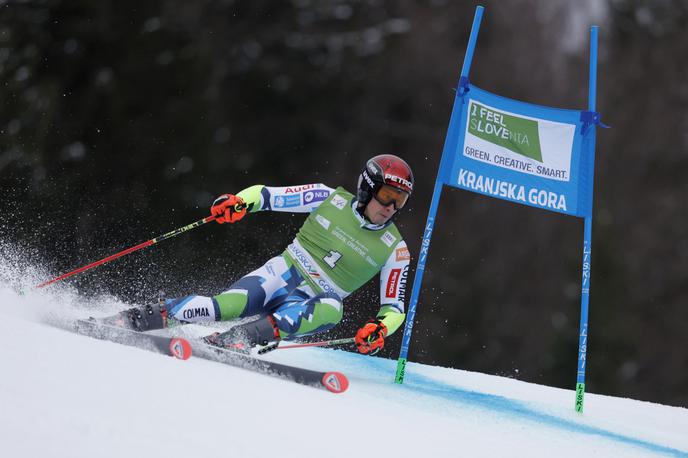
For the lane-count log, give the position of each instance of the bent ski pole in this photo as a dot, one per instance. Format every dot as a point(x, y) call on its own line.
point(130, 250)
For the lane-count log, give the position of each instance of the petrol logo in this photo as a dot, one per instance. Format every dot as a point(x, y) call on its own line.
point(392, 282)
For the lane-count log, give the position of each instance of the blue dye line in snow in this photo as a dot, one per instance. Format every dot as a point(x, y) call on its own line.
point(422, 384)
point(520, 409)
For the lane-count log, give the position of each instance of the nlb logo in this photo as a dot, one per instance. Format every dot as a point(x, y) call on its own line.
point(315, 196)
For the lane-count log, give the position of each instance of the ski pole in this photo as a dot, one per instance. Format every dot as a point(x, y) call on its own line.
point(130, 250)
point(324, 343)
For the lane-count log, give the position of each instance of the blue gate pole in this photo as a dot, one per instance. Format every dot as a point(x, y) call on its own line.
point(445, 164)
point(587, 235)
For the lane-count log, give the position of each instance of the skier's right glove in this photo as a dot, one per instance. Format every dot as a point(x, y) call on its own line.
point(228, 208)
point(370, 339)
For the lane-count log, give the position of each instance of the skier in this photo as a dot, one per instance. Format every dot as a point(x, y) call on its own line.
point(345, 241)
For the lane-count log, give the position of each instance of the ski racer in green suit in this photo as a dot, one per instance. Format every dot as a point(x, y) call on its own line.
point(345, 241)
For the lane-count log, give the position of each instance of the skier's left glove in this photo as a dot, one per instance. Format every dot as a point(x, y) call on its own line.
point(228, 208)
point(370, 339)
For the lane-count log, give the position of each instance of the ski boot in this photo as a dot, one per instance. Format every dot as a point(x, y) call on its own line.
point(242, 338)
point(141, 319)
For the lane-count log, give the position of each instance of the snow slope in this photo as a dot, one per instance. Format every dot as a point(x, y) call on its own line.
point(66, 395)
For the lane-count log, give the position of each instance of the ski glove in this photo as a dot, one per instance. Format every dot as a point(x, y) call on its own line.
point(370, 339)
point(228, 208)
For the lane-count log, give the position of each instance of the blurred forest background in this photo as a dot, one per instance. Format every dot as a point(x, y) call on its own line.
point(122, 120)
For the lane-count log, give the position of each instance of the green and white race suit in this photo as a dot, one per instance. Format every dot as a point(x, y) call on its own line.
point(335, 252)
point(336, 249)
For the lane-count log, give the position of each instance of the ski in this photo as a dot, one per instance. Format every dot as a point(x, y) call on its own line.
point(173, 346)
point(181, 348)
point(335, 382)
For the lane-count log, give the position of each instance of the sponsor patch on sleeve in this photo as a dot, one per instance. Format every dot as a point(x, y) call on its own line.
point(403, 254)
point(286, 201)
point(392, 282)
point(296, 189)
point(316, 195)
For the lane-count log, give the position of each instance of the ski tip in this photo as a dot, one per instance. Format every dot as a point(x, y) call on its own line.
point(335, 382)
point(180, 348)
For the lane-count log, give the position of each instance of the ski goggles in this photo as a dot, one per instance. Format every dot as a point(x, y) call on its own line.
point(390, 195)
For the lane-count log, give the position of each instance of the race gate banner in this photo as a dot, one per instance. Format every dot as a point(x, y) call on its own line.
point(523, 153)
point(528, 154)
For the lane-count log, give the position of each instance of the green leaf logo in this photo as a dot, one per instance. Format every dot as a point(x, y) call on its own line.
point(516, 134)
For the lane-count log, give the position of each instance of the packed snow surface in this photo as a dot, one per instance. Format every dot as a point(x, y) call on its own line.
point(67, 395)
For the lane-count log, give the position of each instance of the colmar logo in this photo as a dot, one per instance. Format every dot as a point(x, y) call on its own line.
point(402, 254)
point(401, 295)
point(392, 282)
point(190, 314)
